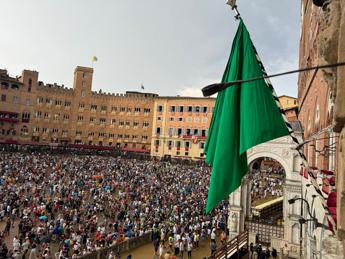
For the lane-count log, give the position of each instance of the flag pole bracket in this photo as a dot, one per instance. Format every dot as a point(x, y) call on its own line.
point(233, 5)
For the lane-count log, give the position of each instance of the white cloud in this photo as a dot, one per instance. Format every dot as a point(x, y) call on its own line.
point(167, 45)
point(195, 89)
point(191, 92)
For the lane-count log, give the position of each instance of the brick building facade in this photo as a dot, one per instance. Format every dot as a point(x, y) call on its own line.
point(32, 112)
point(321, 111)
point(315, 99)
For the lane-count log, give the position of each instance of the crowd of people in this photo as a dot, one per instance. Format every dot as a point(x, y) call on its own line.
point(68, 205)
point(266, 183)
point(257, 251)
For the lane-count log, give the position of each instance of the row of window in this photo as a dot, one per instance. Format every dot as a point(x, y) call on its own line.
point(183, 132)
point(47, 130)
point(190, 108)
point(57, 102)
point(102, 121)
point(15, 99)
point(47, 115)
point(178, 144)
point(188, 119)
point(6, 85)
point(93, 107)
point(10, 132)
point(119, 145)
point(92, 134)
point(104, 108)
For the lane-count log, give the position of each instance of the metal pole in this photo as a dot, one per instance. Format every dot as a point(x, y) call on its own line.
point(214, 88)
point(301, 232)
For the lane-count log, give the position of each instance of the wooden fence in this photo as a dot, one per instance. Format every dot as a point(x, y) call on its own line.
point(233, 247)
point(125, 246)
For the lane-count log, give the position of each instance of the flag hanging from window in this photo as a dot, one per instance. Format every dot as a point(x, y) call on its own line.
point(244, 115)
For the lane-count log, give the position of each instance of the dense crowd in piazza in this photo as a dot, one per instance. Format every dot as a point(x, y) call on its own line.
point(85, 203)
point(266, 183)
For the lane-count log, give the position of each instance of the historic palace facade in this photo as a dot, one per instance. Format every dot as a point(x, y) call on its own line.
point(32, 112)
point(180, 126)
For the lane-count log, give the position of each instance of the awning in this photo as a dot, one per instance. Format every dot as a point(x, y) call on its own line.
point(332, 205)
point(10, 141)
point(305, 173)
point(84, 146)
point(327, 172)
point(138, 150)
point(325, 186)
point(11, 113)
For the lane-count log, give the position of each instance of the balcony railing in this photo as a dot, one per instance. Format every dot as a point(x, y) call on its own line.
point(11, 120)
point(11, 117)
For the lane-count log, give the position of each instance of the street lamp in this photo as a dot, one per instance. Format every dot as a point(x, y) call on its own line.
point(303, 220)
point(312, 218)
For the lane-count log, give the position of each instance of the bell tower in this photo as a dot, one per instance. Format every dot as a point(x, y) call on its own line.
point(83, 82)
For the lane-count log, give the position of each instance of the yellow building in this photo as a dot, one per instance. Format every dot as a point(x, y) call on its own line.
point(288, 102)
point(180, 126)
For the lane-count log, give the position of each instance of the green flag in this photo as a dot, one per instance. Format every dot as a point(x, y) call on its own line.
point(244, 115)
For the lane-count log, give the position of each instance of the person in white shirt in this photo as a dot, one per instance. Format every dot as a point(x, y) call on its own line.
point(213, 234)
point(189, 249)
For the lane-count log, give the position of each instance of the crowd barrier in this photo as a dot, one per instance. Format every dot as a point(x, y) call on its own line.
point(120, 248)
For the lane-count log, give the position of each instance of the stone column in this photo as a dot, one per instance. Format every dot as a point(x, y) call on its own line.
point(339, 118)
point(238, 207)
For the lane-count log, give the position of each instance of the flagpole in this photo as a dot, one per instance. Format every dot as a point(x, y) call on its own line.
point(233, 5)
point(214, 88)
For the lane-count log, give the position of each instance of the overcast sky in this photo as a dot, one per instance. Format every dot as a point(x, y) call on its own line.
point(173, 47)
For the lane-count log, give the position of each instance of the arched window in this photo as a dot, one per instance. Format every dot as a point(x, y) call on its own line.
point(30, 85)
point(4, 85)
point(317, 114)
point(295, 233)
point(24, 130)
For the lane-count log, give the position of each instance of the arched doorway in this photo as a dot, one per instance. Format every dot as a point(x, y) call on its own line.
point(281, 154)
point(266, 179)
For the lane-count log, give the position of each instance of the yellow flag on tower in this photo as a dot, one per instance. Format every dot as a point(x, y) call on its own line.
point(94, 59)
